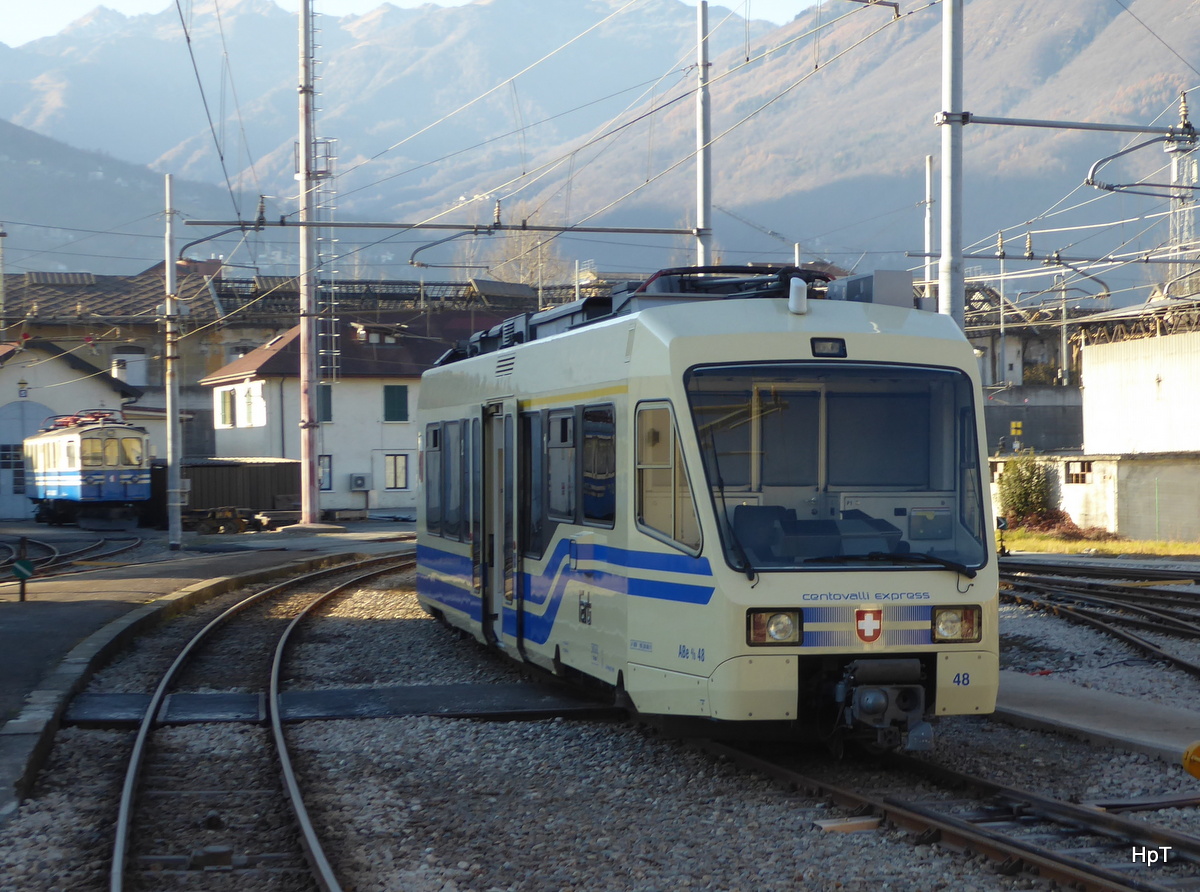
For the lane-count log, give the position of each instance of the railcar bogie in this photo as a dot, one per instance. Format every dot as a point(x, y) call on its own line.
point(731, 500)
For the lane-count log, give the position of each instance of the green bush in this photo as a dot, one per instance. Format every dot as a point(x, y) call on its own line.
point(1025, 491)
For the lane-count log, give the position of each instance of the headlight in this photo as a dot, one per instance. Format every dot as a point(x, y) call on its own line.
point(956, 624)
point(772, 626)
point(781, 627)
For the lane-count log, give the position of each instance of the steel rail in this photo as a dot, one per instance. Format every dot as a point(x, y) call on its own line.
point(65, 557)
point(1132, 592)
point(315, 853)
point(1016, 565)
point(48, 558)
point(1091, 618)
point(1013, 854)
point(1168, 622)
point(121, 835)
point(1092, 818)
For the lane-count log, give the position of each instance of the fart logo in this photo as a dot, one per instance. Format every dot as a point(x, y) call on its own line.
point(869, 624)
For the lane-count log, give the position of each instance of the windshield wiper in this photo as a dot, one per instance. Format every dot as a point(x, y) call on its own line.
point(738, 548)
point(896, 557)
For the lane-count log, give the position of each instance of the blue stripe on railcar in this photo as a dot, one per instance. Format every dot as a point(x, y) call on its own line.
point(844, 637)
point(446, 578)
point(92, 486)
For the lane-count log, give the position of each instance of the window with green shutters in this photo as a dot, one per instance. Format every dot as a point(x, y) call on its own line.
point(395, 402)
point(324, 402)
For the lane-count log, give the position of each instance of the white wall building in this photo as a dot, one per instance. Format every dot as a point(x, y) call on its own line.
point(367, 441)
point(1139, 473)
point(1140, 395)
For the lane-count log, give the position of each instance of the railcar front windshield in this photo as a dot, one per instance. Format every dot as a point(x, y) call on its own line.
point(811, 465)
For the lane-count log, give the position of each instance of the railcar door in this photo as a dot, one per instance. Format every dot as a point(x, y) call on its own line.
point(501, 559)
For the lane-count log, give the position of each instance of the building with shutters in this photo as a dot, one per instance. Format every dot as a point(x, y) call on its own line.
point(367, 441)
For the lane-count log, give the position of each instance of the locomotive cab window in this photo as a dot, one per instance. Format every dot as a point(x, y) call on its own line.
point(814, 464)
point(131, 452)
point(665, 506)
point(92, 451)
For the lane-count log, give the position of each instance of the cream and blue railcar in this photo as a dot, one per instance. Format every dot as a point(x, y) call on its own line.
point(731, 500)
point(91, 467)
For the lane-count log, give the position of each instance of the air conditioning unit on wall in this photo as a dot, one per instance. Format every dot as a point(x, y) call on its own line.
point(360, 482)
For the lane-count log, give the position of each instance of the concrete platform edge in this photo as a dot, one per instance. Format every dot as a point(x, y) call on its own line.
point(30, 736)
point(1020, 719)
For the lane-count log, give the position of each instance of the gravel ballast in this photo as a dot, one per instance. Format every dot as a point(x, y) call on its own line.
point(457, 806)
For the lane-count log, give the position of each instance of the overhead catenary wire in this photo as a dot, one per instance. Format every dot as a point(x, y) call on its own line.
point(612, 131)
point(1058, 209)
point(607, 131)
point(780, 95)
point(187, 36)
point(1156, 36)
point(689, 156)
point(492, 90)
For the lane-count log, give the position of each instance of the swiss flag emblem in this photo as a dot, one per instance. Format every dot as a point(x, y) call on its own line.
point(869, 624)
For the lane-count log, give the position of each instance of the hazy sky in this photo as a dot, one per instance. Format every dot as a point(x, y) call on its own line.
point(21, 22)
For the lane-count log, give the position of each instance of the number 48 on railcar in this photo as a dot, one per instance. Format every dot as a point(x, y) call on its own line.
point(730, 496)
point(91, 468)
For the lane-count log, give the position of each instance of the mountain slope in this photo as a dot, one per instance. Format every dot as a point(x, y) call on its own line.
point(823, 139)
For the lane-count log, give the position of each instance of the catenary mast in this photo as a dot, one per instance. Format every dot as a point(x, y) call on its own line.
point(309, 491)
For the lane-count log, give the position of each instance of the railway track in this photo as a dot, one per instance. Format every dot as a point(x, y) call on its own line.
point(1079, 847)
point(1113, 608)
point(39, 553)
point(51, 560)
point(1010, 565)
point(197, 815)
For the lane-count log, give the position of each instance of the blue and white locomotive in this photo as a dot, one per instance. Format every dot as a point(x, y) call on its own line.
point(91, 468)
point(732, 499)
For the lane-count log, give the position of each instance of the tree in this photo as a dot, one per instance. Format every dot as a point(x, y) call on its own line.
point(532, 258)
point(1025, 490)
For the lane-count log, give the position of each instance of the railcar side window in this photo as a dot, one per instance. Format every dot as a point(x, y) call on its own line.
point(560, 465)
point(599, 465)
point(93, 455)
point(533, 482)
point(433, 479)
point(452, 479)
point(72, 457)
point(664, 496)
point(476, 487)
